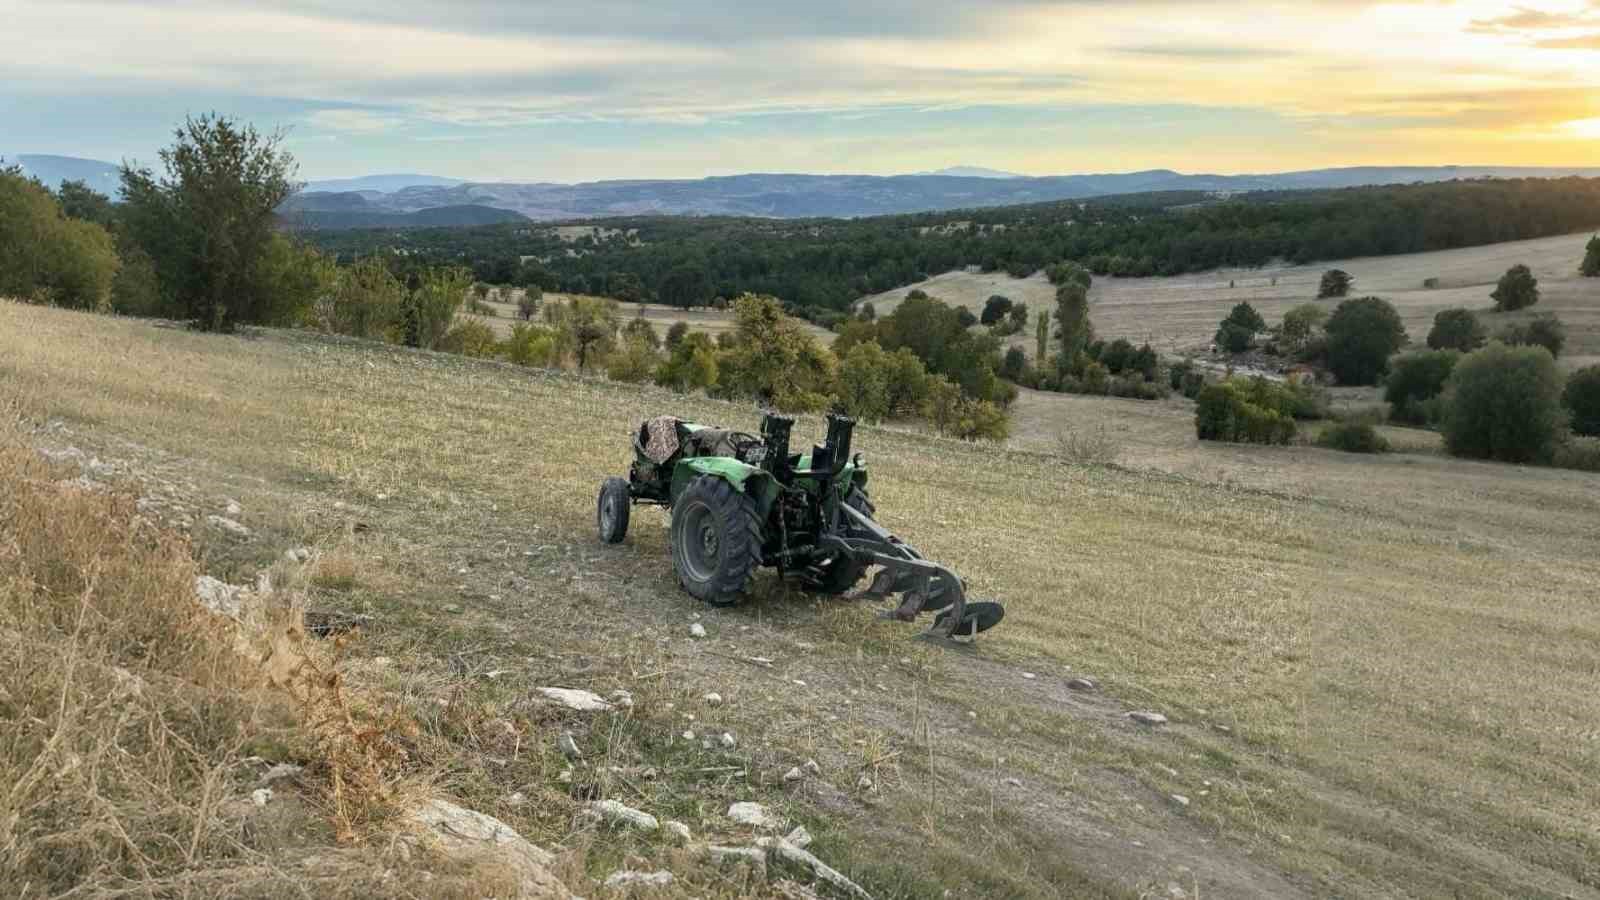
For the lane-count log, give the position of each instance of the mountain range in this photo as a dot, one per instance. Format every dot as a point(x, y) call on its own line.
point(409, 200)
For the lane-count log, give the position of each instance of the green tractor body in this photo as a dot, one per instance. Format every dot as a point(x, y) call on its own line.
point(740, 501)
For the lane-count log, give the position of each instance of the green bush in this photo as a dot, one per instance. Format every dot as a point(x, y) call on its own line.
point(428, 311)
point(1582, 400)
point(1116, 355)
point(980, 420)
point(636, 362)
point(1362, 333)
point(1301, 325)
point(1581, 453)
point(1335, 283)
point(864, 382)
point(530, 345)
point(470, 337)
point(1353, 437)
point(1590, 267)
point(1504, 403)
point(1544, 331)
point(1517, 289)
point(1233, 338)
point(691, 365)
point(1415, 378)
point(1245, 411)
point(48, 258)
point(676, 334)
point(1456, 329)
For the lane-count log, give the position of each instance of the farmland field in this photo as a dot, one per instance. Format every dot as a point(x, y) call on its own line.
point(1381, 675)
point(1180, 314)
point(711, 321)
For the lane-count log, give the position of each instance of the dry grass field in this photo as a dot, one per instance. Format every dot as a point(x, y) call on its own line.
point(1380, 675)
point(1180, 314)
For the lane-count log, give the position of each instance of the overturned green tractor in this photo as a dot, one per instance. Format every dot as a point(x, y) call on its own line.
point(741, 501)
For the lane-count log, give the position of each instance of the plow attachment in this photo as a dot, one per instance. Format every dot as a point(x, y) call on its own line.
point(924, 586)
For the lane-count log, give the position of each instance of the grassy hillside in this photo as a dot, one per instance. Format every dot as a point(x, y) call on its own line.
point(1373, 690)
point(1180, 313)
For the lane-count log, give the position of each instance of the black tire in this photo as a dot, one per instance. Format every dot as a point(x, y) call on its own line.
point(611, 512)
point(841, 574)
point(716, 540)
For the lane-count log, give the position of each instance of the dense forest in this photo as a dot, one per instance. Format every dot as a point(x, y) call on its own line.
point(825, 264)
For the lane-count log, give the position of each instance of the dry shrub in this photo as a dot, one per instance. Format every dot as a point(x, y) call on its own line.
point(127, 711)
point(1087, 446)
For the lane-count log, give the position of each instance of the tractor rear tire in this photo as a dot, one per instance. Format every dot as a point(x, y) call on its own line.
point(716, 540)
point(841, 574)
point(611, 512)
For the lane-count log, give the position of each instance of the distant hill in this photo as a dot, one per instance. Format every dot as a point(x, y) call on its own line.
point(854, 196)
point(385, 183)
point(52, 170)
point(973, 172)
point(354, 209)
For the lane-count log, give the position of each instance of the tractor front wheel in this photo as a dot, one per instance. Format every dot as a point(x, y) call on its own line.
point(716, 540)
point(611, 513)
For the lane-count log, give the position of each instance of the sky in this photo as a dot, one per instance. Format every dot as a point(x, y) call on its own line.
point(532, 90)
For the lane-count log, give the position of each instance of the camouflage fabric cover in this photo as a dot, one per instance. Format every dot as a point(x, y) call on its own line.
point(663, 441)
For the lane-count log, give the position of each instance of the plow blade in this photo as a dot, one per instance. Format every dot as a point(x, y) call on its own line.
point(923, 586)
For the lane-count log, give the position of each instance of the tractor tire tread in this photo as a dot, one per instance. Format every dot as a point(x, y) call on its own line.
point(742, 522)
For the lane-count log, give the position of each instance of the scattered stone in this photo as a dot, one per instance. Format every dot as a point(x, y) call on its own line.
point(753, 814)
point(452, 607)
point(261, 796)
point(297, 555)
point(622, 699)
point(713, 699)
point(797, 856)
point(1144, 717)
point(625, 880)
point(566, 776)
point(799, 837)
point(517, 799)
point(688, 735)
point(1029, 675)
point(619, 815)
point(728, 742)
point(1169, 771)
point(864, 783)
point(280, 772)
point(697, 630)
point(1180, 799)
point(230, 526)
point(462, 832)
point(1223, 728)
point(793, 775)
point(580, 700)
point(218, 596)
point(1013, 782)
point(799, 683)
point(1082, 684)
point(754, 857)
point(812, 767)
point(568, 746)
point(761, 661)
point(677, 831)
point(233, 508)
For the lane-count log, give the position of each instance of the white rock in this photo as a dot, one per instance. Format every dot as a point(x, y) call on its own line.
point(462, 832)
point(697, 630)
point(228, 525)
point(753, 814)
point(1180, 799)
point(233, 508)
point(516, 799)
point(1082, 684)
point(1144, 717)
point(622, 699)
point(728, 741)
point(1029, 675)
point(793, 775)
point(799, 837)
point(812, 767)
point(218, 596)
point(677, 831)
point(568, 746)
point(618, 815)
point(280, 772)
point(261, 796)
point(572, 698)
point(625, 880)
point(864, 782)
point(798, 856)
point(754, 857)
point(1013, 782)
point(713, 699)
point(688, 735)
